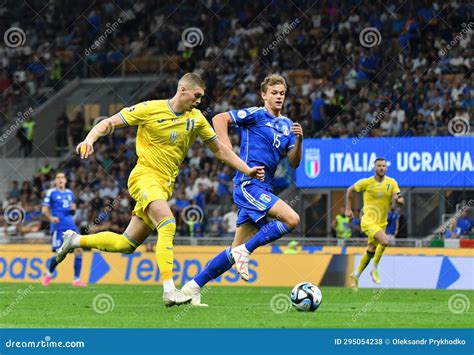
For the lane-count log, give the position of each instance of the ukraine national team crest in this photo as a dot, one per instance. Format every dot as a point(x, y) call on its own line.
point(312, 162)
point(265, 198)
point(173, 136)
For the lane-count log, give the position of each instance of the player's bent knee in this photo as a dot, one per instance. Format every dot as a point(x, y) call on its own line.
point(292, 220)
point(124, 245)
point(129, 249)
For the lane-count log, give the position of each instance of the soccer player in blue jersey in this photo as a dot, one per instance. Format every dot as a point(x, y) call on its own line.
point(266, 137)
point(59, 206)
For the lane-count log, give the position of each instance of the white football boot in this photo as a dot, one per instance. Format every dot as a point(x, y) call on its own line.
point(66, 247)
point(241, 257)
point(175, 298)
point(194, 292)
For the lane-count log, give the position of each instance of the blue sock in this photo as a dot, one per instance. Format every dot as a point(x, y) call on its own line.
point(77, 266)
point(52, 264)
point(267, 234)
point(217, 266)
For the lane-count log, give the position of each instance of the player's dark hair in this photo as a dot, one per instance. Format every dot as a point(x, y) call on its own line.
point(379, 159)
point(272, 79)
point(59, 172)
point(193, 79)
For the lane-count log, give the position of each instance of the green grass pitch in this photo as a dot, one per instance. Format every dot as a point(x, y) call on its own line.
point(136, 306)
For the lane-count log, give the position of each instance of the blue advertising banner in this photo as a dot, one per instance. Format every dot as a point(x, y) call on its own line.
point(231, 341)
point(413, 162)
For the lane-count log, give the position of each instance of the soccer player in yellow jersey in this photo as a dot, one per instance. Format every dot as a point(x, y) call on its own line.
point(379, 193)
point(166, 129)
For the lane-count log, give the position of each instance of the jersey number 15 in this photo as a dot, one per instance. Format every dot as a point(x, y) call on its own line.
point(276, 140)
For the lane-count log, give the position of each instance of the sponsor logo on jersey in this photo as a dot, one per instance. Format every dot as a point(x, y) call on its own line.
point(241, 114)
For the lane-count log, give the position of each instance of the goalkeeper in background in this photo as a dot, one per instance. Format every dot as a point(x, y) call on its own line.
point(380, 192)
point(166, 129)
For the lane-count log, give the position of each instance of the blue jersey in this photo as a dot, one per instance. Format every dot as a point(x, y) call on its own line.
point(265, 139)
point(392, 219)
point(59, 203)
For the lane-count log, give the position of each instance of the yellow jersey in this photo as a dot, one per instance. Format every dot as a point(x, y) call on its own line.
point(377, 199)
point(164, 136)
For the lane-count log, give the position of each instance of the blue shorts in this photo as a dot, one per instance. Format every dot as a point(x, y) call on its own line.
point(58, 237)
point(254, 202)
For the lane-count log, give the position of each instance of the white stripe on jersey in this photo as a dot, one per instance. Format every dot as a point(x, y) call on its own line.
point(250, 198)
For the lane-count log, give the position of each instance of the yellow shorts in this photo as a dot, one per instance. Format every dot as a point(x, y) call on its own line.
point(146, 186)
point(371, 230)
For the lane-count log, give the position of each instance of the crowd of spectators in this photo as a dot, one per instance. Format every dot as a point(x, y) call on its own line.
point(413, 82)
point(345, 84)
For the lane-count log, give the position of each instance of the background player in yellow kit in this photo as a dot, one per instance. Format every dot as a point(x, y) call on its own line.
point(379, 193)
point(166, 129)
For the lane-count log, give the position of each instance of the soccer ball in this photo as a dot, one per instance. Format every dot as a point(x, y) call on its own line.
point(306, 297)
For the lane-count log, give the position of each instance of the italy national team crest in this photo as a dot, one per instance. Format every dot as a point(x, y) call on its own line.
point(265, 198)
point(312, 162)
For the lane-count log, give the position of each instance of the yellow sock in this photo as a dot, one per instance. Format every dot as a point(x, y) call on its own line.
point(109, 241)
point(364, 261)
point(164, 247)
point(378, 254)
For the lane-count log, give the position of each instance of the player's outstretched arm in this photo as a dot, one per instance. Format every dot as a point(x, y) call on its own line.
point(221, 123)
point(294, 155)
point(228, 157)
point(104, 127)
point(348, 209)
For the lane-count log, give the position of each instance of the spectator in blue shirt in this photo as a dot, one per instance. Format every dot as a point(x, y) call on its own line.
point(355, 225)
point(393, 223)
point(462, 225)
point(317, 112)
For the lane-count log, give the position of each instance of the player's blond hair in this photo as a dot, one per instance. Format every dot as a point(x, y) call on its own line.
point(191, 80)
point(272, 79)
